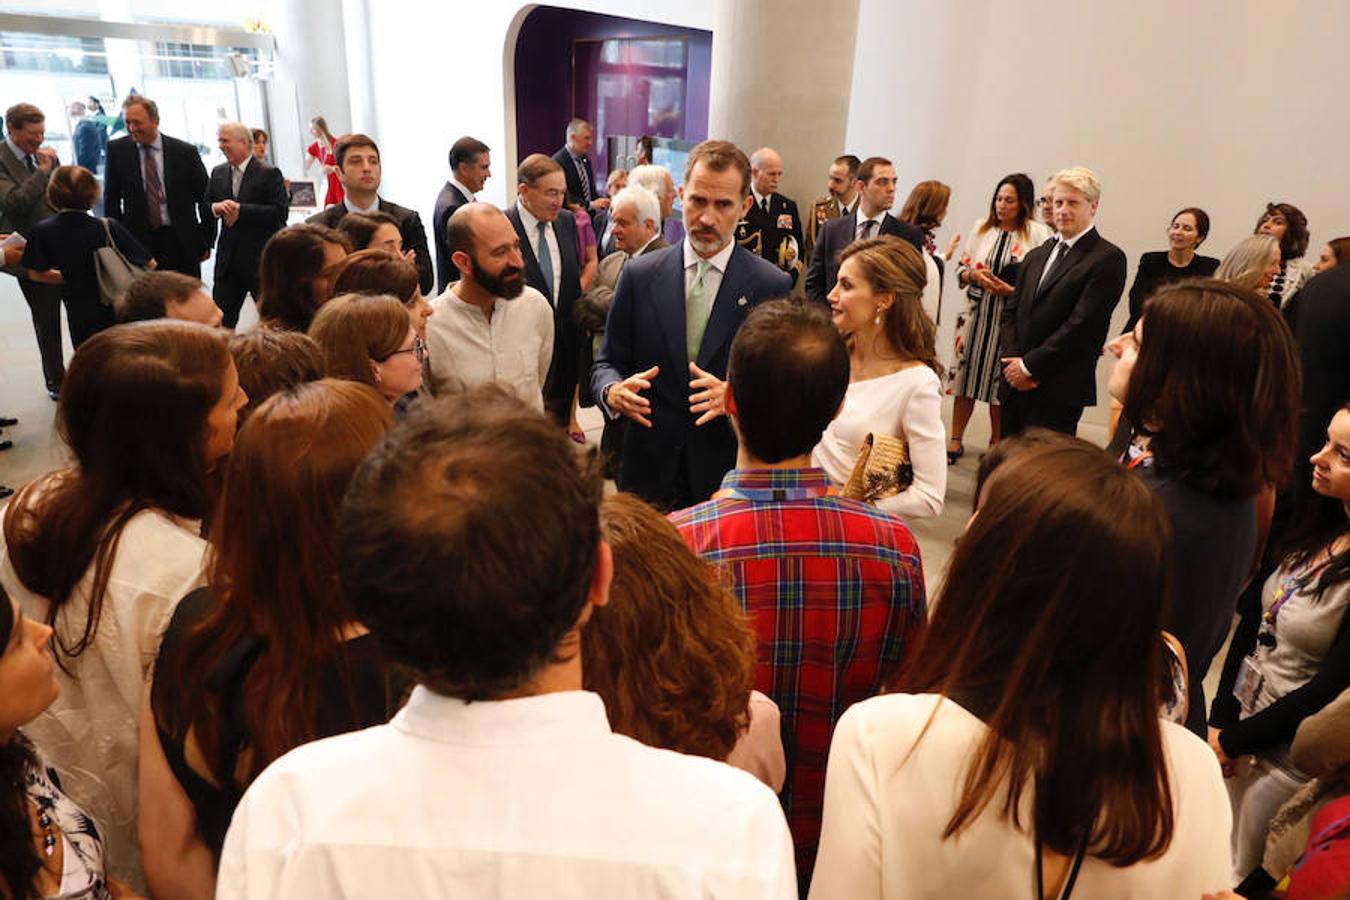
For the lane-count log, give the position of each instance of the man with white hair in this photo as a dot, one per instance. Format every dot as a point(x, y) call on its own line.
point(771, 227)
point(635, 215)
point(249, 198)
point(1054, 324)
point(657, 180)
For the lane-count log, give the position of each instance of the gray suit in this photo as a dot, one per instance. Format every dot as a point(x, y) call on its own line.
point(23, 203)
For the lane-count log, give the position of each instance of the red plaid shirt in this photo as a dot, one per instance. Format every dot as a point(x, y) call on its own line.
point(834, 589)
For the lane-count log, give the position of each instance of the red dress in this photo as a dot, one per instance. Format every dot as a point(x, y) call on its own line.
point(325, 157)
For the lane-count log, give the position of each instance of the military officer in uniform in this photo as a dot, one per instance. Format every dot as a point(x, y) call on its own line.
point(841, 198)
point(772, 227)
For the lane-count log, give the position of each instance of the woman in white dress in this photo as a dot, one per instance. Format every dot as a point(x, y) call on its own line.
point(103, 551)
point(987, 267)
point(894, 376)
point(1024, 755)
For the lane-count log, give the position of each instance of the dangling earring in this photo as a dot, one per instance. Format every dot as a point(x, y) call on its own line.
point(876, 319)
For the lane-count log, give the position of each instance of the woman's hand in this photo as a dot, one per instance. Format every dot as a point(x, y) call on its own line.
point(952, 245)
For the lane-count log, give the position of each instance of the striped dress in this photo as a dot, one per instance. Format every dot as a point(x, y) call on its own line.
point(975, 369)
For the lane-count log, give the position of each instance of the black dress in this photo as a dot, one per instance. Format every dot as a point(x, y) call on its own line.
point(363, 693)
point(1156, 270)
point(66, 242)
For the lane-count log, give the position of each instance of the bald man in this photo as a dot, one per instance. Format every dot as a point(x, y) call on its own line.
point(249, 198)
point(771, 227)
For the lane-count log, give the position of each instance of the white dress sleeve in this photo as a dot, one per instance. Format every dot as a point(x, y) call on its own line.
point(921, 426)
point(848, 862)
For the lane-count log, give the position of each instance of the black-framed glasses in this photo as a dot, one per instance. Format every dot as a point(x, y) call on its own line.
point(418, 349)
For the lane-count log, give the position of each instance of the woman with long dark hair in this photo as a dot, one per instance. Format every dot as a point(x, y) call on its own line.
point(49, 847)
point(295, 276)
point(1209, 379)
point(1299, 660)
point(1026, 748)
point(895, 386)
point(103, 551)
point(672, 653)
point(269, 655)
point(993, 254)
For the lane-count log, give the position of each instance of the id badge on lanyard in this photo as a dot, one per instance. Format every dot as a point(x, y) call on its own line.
point(1247, 685)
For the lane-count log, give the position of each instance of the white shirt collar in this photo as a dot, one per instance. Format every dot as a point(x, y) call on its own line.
point(644, 247)
point(555, 718)
point(468, 194)
point(759, 198)
point(527, 219)
point(717, 261)
point(1069, 242)
point(878, 218)
point(352, 207)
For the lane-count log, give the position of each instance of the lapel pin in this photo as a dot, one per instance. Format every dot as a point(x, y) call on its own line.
point(741, 302)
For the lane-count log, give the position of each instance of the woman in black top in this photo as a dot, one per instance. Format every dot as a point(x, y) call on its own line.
point(61, 249)
point(270, 655)
point(1187, 232)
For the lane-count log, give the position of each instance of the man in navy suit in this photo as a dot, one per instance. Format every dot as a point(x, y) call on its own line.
point(155, 185)
point(871, 218)
point(249, 197)
point(470, 168)
point(663, 362)
point(548, 242)
point(575, 160)
point(1055, 322)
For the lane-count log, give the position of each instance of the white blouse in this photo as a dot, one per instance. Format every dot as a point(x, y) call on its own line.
point(90, 734)
point(905, 404)
point(885, 812)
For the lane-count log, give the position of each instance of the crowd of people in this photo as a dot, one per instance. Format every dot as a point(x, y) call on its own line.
point(340, 605)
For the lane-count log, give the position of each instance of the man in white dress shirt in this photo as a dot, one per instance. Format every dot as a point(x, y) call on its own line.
point(489, 327)
point(470, 546)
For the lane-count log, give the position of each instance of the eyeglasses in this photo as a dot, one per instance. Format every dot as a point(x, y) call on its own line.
point(418, 349)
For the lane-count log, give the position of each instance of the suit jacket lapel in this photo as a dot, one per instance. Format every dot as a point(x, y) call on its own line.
point(17, 170)
point(1068, 261)
point(532, 271)
point(725, 316)
point(670, 309)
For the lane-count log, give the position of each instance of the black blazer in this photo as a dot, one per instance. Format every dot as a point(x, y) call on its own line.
point(1059, 327)
point(834, 236)
point(646, 327)
point(409, 228)
point(1323, 332)
point(184, 191)
point(562, 376)
point(599, 222)
point(447, 201)
point(574, 194)
point(263, 207)
point(765, 225)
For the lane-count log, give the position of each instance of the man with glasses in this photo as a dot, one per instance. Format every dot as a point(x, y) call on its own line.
point(548, 246)
point(489, 326)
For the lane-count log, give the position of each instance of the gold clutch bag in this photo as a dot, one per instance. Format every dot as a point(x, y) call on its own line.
point(882, 469)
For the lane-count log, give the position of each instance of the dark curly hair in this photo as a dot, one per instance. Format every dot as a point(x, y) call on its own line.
point(671, 654)
point(1295, 241)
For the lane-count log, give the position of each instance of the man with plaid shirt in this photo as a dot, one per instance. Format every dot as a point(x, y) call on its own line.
point(834, 588)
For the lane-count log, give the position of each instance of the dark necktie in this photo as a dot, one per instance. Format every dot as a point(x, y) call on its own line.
point(28, 161)
point(1055, 257)
point(869, 228)
point(154, 188)
point(585, 182)
point(764, 205)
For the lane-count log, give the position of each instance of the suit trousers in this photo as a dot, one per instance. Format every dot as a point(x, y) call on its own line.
point(170, 254)
point(229, 291)
point(1024, 409)
point(44, 302)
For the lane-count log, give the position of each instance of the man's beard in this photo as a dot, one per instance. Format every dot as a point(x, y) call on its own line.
point(704, 243)
point(507, 284)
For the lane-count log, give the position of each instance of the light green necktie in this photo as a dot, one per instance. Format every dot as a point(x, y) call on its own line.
point(697, 306)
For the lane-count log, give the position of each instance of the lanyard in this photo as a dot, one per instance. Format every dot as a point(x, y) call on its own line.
point(1290, 585)
point(1073, 872)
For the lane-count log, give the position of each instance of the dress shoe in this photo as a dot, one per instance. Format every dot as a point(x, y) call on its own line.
point(6, 421)
point(54, 393)
point(5, 491)
point(5, 444)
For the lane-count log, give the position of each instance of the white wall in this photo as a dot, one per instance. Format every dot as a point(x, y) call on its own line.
point(1222, 104)
point(442, 70)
